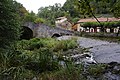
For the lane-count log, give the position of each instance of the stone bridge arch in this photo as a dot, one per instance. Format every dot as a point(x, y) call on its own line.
point(27, 33)
point(56, 35)
point(31, 29)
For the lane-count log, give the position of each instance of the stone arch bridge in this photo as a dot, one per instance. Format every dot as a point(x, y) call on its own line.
point(41, 30)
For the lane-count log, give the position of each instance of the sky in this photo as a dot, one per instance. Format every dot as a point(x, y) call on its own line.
point(34, 5)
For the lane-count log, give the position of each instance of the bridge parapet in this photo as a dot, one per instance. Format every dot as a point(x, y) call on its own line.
point(42, 30)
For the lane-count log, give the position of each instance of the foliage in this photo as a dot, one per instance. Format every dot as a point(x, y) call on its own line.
point(50, 13)
point(63, 45)
point(79, 72)
point(39, 20)
point(75, 20)
point(9, 23)
point(48, 43)
point(89, 8)
point(21, 11)
point(62, 74)
point(116, 9)
point(71, 8)
point(97, 70)
point(26, 16)
point(30, 17)
point(105, 24)
point(36, 58)
point(31, 57)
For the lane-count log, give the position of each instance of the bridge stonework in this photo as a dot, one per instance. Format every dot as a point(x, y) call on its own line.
point(42, 30)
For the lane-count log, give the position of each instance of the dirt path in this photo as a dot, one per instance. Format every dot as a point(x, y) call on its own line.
point(103, 51)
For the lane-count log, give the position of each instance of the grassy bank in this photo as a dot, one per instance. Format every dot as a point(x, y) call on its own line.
point(33, 57)
point(40, 58)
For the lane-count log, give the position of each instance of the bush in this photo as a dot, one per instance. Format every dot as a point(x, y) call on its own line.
point(63, 74)
point(104, 24)
point(65, 45)
point(79, 72)
point(33, 56)
point(97, 70)
point(9, 23)
point(50, 43)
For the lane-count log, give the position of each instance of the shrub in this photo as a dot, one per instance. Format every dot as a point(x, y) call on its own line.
point(96, 70)
point(33, 56)
point(9, 23)
point(65, 45)
point(104, 24)
point(63, 74)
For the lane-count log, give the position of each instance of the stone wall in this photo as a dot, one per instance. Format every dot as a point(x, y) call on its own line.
point(42, 30)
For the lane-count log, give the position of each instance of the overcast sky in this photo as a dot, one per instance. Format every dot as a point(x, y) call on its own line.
point(34, 5)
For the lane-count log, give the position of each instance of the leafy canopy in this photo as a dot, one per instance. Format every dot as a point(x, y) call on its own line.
point(9, 23)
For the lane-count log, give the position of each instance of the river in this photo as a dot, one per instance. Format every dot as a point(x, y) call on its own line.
point(102, 51)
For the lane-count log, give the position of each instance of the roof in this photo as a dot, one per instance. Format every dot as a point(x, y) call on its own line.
point(102, 19)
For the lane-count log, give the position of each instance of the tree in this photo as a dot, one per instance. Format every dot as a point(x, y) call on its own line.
point(98, 7)
point(70, 8)
point(116, 8)
point(9, 23)
point(50, 13)
point(89, 7)
point(83, 8)
point(30, 17)
point(21, 10)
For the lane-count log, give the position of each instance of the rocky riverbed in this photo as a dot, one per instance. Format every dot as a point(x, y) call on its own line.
point(103, 51)
point(79, 55)
point(98, 52)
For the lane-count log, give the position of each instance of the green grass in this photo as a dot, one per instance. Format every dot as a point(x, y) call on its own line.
point(34, 56)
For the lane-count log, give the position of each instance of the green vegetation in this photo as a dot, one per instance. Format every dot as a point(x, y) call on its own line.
point(97, 70)
point(76, 73)
point(33, 57)
point(42, 58)
point(80, 9)
point(50, 13)
point(32, 17)
point(9, 23)
point(104, 24)
point(93, 7)
point(53, 44)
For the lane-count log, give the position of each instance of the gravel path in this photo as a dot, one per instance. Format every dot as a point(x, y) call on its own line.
point(103, 51)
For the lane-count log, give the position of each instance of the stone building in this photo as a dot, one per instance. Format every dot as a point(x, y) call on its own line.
point(63, 23)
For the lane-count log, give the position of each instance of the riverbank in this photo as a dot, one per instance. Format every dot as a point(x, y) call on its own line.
point(110, 37)
point(64, 58)
point(102, 51)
